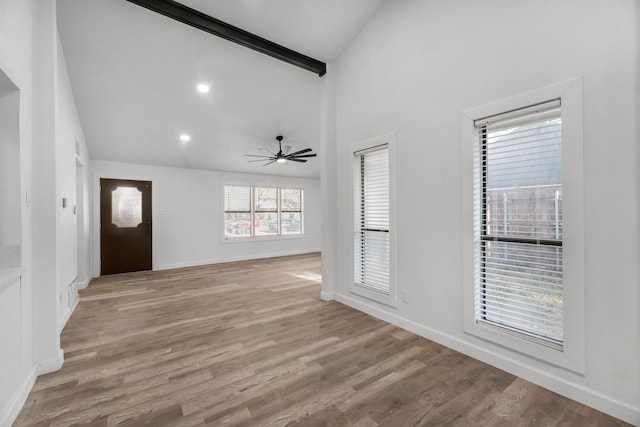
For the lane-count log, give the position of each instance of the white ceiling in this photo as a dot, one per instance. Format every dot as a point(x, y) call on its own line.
point(134, 72)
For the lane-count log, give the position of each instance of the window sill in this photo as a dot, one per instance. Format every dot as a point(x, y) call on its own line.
point(255, 239)
point(8, 276)
point(382, 298)
point(505, 338)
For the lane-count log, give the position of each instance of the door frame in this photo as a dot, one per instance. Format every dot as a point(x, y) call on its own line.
point(97, 255)
point(81, 273)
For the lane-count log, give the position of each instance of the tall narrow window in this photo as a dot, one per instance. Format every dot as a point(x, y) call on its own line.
point(518, 223)
point(371, 228)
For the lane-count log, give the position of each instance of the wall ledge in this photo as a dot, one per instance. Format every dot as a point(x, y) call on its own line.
point(8, 276)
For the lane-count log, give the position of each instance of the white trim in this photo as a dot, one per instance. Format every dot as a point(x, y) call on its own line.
point(585, 395)
point(62, 323)
point(391, 299)
point(327, 296)
point(254, 239)
point(17, 401)
point(238, 258)
point(50, 365)
point(155, 215)
point(572, 356)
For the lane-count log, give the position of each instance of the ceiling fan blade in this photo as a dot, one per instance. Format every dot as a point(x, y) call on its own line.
point(259, 160)
point(286, 149)
point(255, 155)
point(306, 150)
point(293, 159)
point(268, 163)
point(291, 156)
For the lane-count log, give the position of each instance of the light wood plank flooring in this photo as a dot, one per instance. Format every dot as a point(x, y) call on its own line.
point(251, 344)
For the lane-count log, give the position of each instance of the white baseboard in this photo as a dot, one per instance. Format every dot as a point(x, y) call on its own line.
point(233, 259)
point(10, 413)
point(607, 404)
point(66, 316)
point(327, 296)
point(50, 365)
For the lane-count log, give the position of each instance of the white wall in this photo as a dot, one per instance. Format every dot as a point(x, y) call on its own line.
point(10, 197)
point(68, 133)
point(32, 311)
point(413, 70)
point(16, 27)
point(189, 231)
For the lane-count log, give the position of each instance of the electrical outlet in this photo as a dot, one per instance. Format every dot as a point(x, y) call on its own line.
point(404, 296)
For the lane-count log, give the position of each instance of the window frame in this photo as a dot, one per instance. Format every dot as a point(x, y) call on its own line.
point(390, 299)
point(486, 236)
point(257, 211)
point(253, 212)
point(300, 211)
point(571, 355)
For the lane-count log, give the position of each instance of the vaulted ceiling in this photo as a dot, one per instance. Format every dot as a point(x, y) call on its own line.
point(134, 75)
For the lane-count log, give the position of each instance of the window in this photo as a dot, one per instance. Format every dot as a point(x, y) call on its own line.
point(373, 230)
point(262, 211)
point(523, 224)
point(290, 211)
point(519, 222)
point(266, 211)
point(237, 211)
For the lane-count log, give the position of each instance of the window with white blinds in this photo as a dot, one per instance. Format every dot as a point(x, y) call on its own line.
point(519, 224)
point(262, 211)
point(371, 228)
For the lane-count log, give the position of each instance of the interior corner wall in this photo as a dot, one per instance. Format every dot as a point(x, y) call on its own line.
point(328, 184)
point(69, 138)
point(637, 349)
point(29, 56)
point(16, 61)
point(187, 212)
point(413, 70)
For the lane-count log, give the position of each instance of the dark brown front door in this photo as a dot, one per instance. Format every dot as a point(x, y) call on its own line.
point(125, 226)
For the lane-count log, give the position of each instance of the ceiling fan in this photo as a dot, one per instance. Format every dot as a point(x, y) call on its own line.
point(281, 156)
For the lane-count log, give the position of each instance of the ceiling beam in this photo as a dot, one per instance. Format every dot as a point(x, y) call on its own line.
point(199, 20)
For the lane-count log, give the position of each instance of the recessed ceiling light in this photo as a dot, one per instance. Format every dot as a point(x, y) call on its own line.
point(185, 138)
point(203, 88)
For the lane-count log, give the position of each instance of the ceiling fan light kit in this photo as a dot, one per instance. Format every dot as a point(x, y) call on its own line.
point(282, 157)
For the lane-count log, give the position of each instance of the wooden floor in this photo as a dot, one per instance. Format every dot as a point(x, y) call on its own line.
point(251, 344)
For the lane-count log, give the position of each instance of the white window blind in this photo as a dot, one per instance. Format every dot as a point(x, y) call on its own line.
point(237, 212)
point(518, 223)
point(262, 211)
point(237, 199)
point(371, 239)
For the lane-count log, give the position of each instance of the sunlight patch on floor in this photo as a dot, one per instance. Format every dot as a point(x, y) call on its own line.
point(307, 275)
